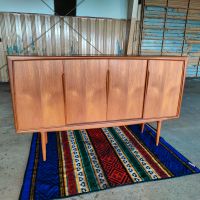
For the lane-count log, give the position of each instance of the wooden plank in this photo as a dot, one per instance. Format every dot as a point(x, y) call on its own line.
point(80, 57)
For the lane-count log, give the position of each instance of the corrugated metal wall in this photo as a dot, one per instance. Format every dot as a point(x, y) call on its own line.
point(172, 27)
point(19, 32)
point(169, 27)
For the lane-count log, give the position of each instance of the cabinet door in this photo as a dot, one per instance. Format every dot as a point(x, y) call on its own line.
point(126, 89)
point(164, 87)
point(85, 83)
point(39, 95)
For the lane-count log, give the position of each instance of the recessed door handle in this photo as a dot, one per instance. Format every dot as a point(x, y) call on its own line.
point(63, 82)
point(147, 79)
point(107, 83)
point(63, 86)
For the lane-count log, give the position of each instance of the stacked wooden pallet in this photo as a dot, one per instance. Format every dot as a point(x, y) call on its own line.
point(171, 27)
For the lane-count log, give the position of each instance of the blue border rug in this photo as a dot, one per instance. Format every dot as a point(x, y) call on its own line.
point(91, 160)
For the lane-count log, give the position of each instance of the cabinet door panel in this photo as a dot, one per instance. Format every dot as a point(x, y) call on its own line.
point(39, 94)
point(163, 90)
point(126, 89)
point(85, 83)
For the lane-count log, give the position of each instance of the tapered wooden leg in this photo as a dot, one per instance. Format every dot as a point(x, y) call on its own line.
point(158, 132)
point(44, 142)
point(46, 138)
point(142, 127)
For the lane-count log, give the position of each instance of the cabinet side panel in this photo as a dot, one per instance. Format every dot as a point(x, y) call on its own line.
point(85, 82)
point(163, 90)
point(126, 89)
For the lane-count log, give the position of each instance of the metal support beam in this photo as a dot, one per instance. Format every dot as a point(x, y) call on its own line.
point(132, 25)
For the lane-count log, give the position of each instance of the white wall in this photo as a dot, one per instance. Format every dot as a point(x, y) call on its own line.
point(103, 8)
point(91, 8)
point(26, 6)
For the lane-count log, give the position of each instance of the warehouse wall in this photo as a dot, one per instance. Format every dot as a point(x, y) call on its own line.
point(19, 33)
point(171, 27)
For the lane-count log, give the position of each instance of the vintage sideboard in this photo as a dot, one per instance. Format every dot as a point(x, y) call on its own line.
point(82, 92)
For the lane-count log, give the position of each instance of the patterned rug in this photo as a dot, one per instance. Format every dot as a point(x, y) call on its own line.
point(96, 159)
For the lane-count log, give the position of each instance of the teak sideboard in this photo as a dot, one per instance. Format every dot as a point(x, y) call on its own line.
point(82, 92)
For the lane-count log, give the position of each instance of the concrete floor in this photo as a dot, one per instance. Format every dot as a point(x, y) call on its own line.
point(183, 133)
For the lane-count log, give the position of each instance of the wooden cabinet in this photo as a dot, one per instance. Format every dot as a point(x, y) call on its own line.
point(164, 82)
point(85, 90)
point(38, 94)
point(62, 93)
point(126, 89)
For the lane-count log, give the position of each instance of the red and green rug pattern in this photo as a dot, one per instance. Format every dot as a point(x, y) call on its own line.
point(90, 160)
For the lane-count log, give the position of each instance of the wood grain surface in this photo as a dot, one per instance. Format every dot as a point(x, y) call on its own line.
point(76, 92)
point(85, 90)
point(163, 88)
point(126, 89)
point(38, 94)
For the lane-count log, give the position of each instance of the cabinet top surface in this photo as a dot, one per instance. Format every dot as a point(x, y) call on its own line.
point(15, 58)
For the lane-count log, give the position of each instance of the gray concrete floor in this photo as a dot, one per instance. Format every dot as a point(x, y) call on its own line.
point(183, 133)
